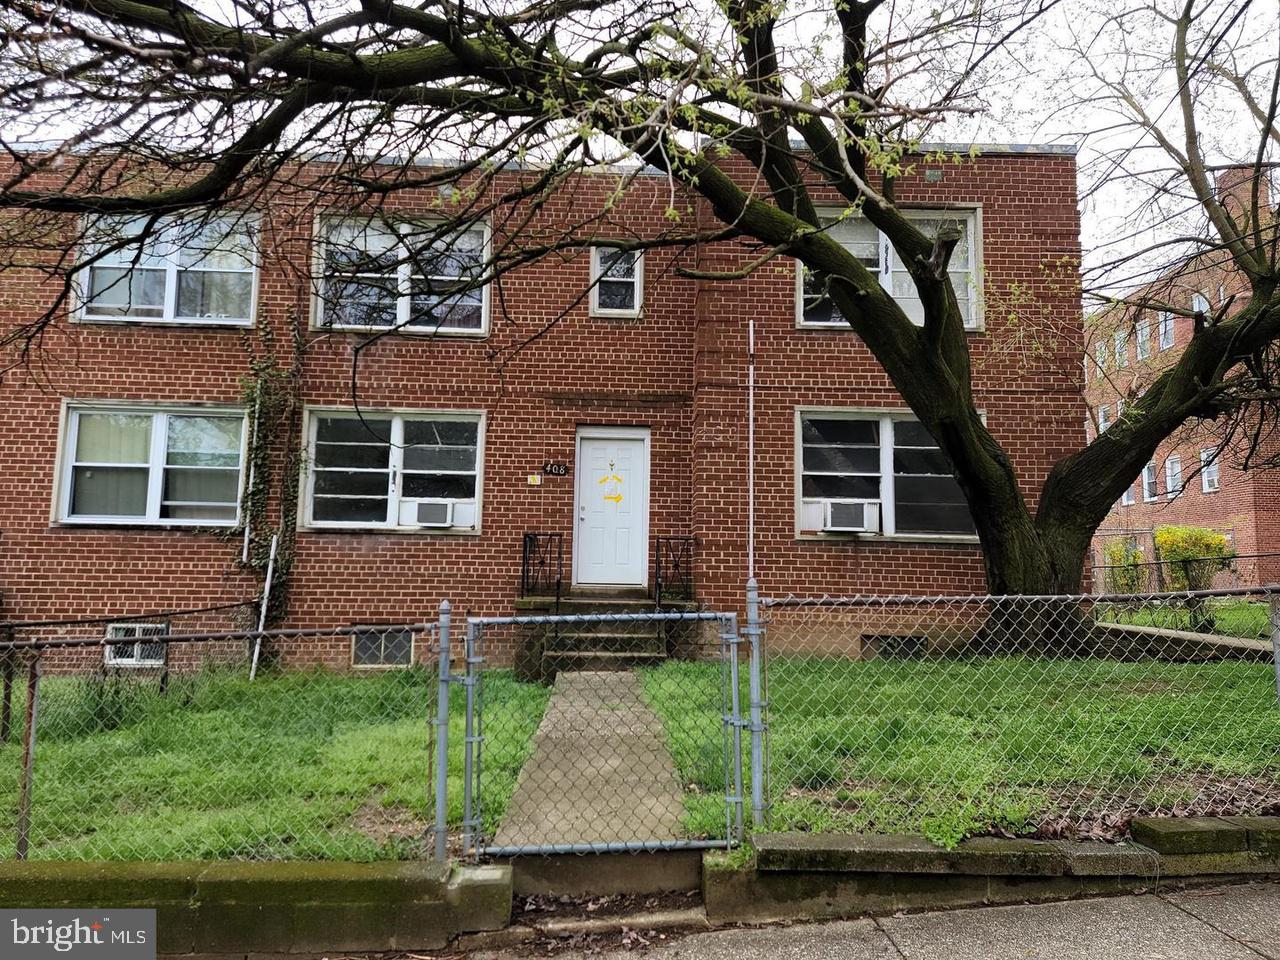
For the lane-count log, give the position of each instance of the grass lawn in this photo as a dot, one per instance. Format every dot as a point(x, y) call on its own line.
point(949, 748)
point(1230, 618)
point(303, 765)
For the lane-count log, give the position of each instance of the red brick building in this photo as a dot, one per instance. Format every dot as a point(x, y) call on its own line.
point(1193, 479)
point(126, 451)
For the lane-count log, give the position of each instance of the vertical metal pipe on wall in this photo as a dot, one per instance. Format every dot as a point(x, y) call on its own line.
point(442, 736)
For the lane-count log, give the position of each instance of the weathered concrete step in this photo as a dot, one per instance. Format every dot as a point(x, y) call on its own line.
point(1171, 835)
point(589, 660)
point(607, 628)
point(877, 853)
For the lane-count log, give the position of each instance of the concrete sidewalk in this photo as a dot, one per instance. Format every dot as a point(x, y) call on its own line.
point(600, 771)
point(1220, 923)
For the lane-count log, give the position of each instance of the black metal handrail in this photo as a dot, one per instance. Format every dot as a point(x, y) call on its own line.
point(542, 565)
point(673, 569)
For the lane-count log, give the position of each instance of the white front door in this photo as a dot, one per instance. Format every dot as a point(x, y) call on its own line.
point(612, 541)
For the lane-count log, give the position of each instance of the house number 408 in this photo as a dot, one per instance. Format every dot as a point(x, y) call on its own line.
point(553, 468)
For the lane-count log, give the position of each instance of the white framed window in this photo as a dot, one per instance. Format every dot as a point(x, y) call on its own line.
point(1127, 498)
point(1200, 304)
point(198, 272)
point(168, 467)
point(1172, 475)
point(1209, 477)
point(1164, 329)
point(814, 307)
point(376, 646)
point(131, 646)
point(617, 282)
point(412, 276)
point(1142, 337)
point(874, 473)
point(1103, 418)
point(1121, 342)
point(1100, 359)
point(1150, 481)
point(417, 470)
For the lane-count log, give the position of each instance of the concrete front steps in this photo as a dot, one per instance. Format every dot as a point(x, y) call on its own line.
point(595, 645)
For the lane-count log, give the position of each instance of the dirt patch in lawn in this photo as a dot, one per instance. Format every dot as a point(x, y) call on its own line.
point(388, 824)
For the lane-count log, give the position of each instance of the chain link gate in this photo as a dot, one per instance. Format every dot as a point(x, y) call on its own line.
point(627, 733)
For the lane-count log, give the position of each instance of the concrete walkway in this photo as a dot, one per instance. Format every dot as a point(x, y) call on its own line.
point(600, 771)
point(1221, 923)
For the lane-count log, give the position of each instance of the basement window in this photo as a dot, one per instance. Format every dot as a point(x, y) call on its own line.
point(134, 648)
point(378, 647)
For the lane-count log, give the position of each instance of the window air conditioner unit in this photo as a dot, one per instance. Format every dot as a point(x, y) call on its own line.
point(426, 513)
point(852, 516)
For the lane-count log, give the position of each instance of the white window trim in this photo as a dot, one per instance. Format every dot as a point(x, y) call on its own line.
point(65, 462)
point(1172, 488)
point(1154, 495)
point(133, 662)
point(887, 499)
point(1127, 498)
point(637, 281)
point(310, 419)
point(403, 274)
point(1209, 468)
point(1142, 339)
point(972, 212)
point(1120, 343)
point(79, 306)
point(1103, 419)
point(1165, 320)
point(378, 628)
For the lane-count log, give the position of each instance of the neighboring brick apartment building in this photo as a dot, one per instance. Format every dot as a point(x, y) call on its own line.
point(123, 456)
point(1190, 480)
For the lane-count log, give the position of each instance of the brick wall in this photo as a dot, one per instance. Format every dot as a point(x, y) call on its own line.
point(679, 370)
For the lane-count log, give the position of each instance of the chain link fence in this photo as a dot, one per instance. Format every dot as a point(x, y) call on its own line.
point(1187, 573)
point(603, 732)
point(139, 738)
point(1029, 716)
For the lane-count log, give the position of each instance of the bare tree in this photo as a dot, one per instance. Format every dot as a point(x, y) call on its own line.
point(749, 107)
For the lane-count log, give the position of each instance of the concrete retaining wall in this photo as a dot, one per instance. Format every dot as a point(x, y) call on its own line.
point(241, 908)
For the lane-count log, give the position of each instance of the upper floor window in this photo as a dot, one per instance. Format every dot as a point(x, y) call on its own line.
point(1103, 418)
point(403, 471)
point(1127, 498)
point(860, 237)
point(1200, 304)
point(129, 466)
point(1100, 359)
point(1142, 336)
point(1164, 326)
point(173, 271)
point(1121, 341)
point(1150, 481)
point(875, 473)
point(1172, 475)
point(617, 282)
point(418, 277)
point(1209, 478)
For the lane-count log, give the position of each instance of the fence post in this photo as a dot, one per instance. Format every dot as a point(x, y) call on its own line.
point(754, 635)
point(1275, 638)
point(730, 638)
point(23, 820)
point(468, 754)
point(442, 737)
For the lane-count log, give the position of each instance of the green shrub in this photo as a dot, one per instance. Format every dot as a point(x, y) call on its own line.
point(1192, 555)
point(1125, 573)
